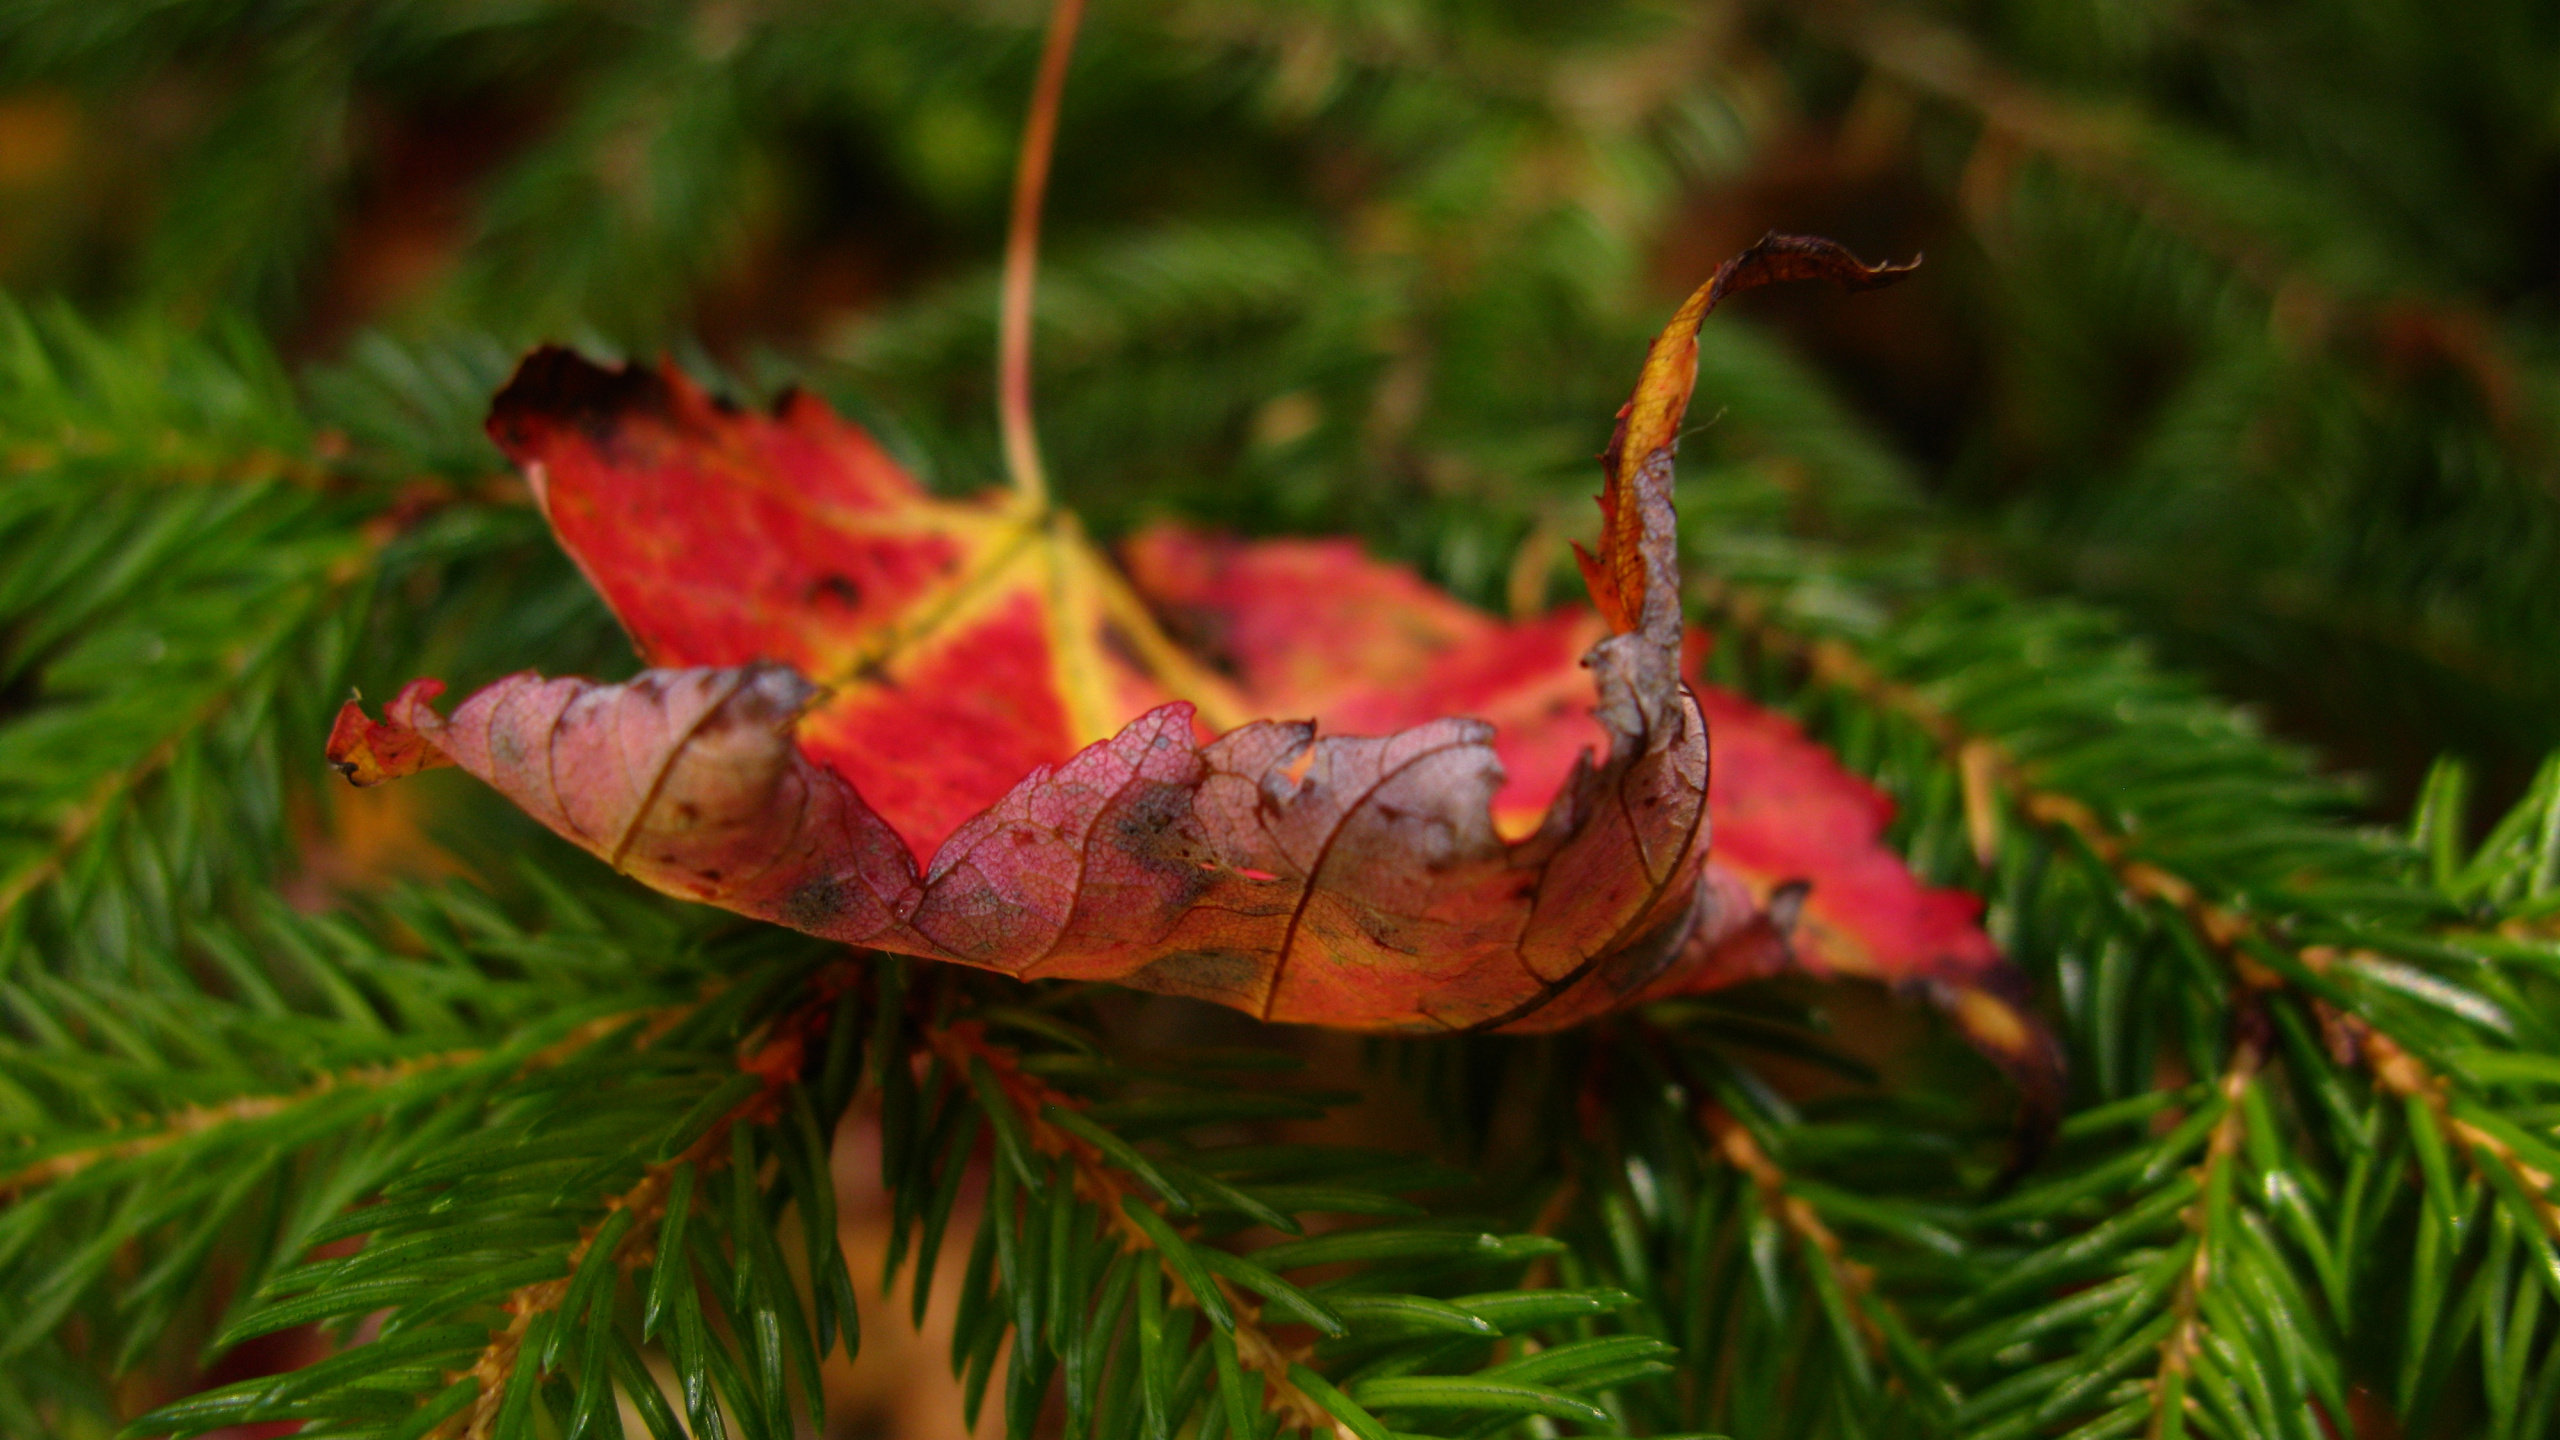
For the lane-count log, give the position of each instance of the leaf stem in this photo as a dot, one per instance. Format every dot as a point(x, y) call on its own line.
point(1022, 258)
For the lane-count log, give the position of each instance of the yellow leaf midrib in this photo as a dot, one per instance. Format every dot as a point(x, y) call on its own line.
point(1081, 592)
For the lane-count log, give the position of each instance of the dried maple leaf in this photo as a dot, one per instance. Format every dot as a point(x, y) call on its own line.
point(1317, 627)
point(854, 674)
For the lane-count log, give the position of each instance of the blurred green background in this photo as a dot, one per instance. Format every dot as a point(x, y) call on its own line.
point(2238, 319)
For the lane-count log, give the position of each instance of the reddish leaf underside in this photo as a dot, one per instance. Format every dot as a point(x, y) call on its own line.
point(976, 671)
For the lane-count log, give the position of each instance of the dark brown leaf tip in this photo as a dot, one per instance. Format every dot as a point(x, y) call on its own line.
point(557, 386)
point(1774, 258)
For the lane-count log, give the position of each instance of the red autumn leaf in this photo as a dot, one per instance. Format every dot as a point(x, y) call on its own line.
point(854, 675)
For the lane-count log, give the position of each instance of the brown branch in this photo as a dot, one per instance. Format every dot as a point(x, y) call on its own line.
point(2404, 1075)
point(1099, 1180)
point(1022, 257)
point(78, 820)
point(777, 1058)
point(2186, 1333)
point(1742, 1150)
point(1989, 772)
point(498, 1360)
point(193, 1121)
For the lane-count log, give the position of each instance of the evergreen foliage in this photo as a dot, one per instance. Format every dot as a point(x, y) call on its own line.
point(2237, 325)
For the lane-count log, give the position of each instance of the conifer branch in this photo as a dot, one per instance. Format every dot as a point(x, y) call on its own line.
point(964, 1043)
point(153, 461)
point(194, 1122)
point(111, 789)
point(1099, 1179)
point(646, 1201)
point(2267, 962)
point(2203, 1217)
point(2233, 934)
point(310, 571)
point(2409, 1078)
point(1991, 778)
point(1743, 1151)
point(776, 1060)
